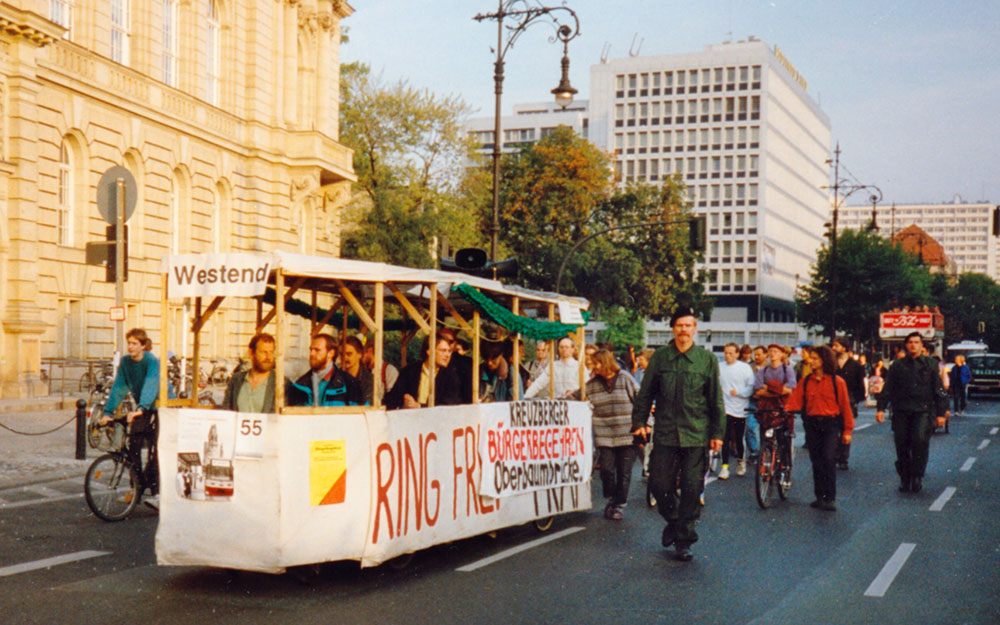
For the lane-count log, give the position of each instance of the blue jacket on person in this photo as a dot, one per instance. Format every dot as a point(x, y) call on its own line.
point(337, 388)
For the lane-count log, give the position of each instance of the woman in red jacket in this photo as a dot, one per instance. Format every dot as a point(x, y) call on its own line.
point(826, 415)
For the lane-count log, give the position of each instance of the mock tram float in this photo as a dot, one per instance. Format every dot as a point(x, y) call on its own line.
point(305, 485)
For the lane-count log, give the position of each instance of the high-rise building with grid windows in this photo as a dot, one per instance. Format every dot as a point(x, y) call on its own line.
point(963, 229)
point(736, 123)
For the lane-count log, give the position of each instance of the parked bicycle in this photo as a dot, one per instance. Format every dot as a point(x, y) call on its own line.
point(774, 465)
point(114, 485)
point(98, 378)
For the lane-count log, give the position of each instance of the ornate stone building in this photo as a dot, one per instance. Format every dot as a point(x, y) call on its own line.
point(224, 111)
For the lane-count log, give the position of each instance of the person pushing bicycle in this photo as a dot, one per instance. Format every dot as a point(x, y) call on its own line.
point(138, 374)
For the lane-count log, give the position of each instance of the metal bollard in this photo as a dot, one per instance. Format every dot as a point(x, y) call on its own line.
point(81, 429)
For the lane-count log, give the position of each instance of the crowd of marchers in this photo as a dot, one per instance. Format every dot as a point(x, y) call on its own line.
point(673, 405)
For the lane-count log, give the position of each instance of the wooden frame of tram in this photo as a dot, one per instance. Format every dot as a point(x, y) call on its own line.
point(350, 294)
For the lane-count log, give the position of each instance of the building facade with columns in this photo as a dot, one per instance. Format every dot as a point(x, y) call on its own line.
point(224, 111)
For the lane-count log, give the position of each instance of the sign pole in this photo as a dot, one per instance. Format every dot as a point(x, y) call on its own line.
point(120, 261)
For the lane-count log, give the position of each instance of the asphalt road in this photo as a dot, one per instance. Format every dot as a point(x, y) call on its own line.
point(883, 557)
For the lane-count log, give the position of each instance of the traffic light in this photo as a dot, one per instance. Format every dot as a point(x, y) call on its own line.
point(996, 221)
point(828, 231)
point(473, 261)
point(698, 234)
point(109, 270)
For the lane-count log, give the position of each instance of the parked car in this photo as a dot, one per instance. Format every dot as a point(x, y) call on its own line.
point(985, 370)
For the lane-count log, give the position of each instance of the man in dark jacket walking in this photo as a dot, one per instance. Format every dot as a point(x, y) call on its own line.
point(690, 417)
point(913, 388)
point(854, 375)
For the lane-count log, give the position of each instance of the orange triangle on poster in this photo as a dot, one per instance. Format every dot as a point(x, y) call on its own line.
point(338, 493)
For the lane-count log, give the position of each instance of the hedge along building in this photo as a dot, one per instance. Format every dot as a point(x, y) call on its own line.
point(224, 111)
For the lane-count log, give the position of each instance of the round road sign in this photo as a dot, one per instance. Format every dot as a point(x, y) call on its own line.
point(107, 193)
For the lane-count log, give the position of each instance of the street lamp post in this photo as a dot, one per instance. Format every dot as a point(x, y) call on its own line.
point(838, 201)
point(523, 13)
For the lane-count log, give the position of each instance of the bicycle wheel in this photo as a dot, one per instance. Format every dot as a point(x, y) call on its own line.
point(784, 473)
point(764, 475)
point(86, 382)
point(111, 487)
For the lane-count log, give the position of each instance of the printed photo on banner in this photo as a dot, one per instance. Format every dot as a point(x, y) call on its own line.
point(205, 442)
point(534, 445)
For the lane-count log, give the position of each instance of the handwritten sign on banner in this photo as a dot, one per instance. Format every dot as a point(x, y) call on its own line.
point(534, 445)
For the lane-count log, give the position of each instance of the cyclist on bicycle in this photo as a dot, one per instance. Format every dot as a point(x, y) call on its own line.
point(826, 412)
point(140, 375)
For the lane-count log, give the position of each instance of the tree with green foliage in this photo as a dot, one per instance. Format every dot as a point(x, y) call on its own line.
point(873, 276)
point(560, 190)
point(409, 147)
point(973, 299)
point(622, 327)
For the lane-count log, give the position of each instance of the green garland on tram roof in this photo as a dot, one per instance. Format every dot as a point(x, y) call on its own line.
point(526, 326)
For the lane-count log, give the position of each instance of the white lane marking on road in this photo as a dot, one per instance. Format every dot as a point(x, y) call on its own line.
point(883, 580)
point(35, 502)
point(993, 431)
point(478, 564)
point(942, 499)
point(44, 491)
point(968, 463)
point(50, 562)
point(984, 444)
point(861, 427)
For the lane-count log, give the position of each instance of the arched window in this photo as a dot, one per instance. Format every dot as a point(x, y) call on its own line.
point(64, 196)
point(221, 218)
point(121, 30)
point(180, 211)
point(212, 53)
point(170, 41)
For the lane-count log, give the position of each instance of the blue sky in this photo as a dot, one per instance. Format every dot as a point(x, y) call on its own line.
point(912, 89)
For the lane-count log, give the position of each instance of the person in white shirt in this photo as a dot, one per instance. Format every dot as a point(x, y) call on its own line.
point(736, 378)
point(566, 374)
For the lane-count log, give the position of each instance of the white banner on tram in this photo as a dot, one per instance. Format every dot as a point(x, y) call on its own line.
point(211, 275)
point(534, 445)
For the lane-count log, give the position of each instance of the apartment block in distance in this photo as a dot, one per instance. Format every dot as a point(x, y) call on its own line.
point(224, 112)
point(964, 229)
point(736, 123)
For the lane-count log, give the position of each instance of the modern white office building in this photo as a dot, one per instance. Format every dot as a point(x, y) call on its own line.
point(529, 123)
point(735, 121)
point(963, 229)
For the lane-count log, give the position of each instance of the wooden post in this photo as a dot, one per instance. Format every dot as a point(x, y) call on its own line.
point(378, 391)
point(279, 340)
point(164, 326)
point(432, 347)
point(196, 358)
point(516, 309)
point(553, 352)
point(582, 340)
point(476, 357)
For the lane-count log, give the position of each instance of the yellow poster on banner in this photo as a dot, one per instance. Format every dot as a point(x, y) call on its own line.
point(327, 472)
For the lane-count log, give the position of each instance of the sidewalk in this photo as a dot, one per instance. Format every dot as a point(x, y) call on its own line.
point(28, 459)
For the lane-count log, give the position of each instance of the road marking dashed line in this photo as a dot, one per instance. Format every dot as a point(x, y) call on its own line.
point(968, 463)
point(942, 499)
point(984, 444)
point(478, 564)
point(24, 567)
point(884, 579)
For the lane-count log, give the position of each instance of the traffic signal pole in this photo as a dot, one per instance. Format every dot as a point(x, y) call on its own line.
point(120, 262)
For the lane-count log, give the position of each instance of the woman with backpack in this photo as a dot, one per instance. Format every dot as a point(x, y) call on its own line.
point(828, 421)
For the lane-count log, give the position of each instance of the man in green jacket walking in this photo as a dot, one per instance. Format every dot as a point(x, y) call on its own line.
point(690, 417)
point(914, 390)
